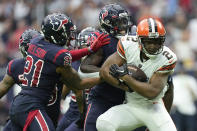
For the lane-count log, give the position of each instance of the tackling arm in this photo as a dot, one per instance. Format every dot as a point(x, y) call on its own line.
point(94, 47)
point(6, 84)
point(71, 77)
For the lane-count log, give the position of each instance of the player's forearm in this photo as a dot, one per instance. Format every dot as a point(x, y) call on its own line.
point(143, 88)
point(104, 74)
point(80, 100)
point(5, 85)
point(4, 88)
point(78, 54)
point(87, 83)
point(168, 97)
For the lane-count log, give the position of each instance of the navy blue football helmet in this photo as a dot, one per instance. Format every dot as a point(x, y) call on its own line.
point(25, 40)
point(58, 29)
point(113, 19)
point(85, 36)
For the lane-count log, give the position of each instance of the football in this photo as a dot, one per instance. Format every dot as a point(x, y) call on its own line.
point(137, 73)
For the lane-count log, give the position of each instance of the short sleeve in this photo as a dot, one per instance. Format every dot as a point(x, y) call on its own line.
point(169, 63)
point(9, 68)
point(120, 49)
point(63, 58)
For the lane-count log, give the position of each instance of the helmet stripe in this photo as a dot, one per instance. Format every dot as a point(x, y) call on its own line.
point(156, 30)
point(152, 25)
point(149, 25)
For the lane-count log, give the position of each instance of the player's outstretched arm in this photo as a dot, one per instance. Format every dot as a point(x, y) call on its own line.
point(71, 78)
point(95, 46)
point(6, 84)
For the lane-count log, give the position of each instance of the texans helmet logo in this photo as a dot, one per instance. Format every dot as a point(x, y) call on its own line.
point(57, 22)
point(104, 14)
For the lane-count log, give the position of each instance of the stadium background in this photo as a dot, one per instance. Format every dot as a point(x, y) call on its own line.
point(178, 16)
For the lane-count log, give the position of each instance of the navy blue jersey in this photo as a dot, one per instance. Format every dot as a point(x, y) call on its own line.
point(40, 77)
point(105, 90)
point(15, 69)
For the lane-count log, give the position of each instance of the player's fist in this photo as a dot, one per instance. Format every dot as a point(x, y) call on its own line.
point(99, 42)
point(117, 71)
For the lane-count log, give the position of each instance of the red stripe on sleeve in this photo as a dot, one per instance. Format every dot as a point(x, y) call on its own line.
point(168, 67)
point(120, 48)
point(9, 66)
point(59, 53)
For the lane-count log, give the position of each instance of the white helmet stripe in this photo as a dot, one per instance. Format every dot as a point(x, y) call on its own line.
point(152, 25)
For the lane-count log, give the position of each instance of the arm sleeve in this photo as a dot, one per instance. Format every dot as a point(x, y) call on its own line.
point(78, 54)
point(168, 64)
point(9, 68)
point(64, 59)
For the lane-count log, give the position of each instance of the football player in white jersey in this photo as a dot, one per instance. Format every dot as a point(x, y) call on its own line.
point(144, 105)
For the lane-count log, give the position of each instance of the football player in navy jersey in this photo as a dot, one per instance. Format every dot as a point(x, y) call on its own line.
point(14, 76)
point(73, 114)
point(46, 64)
point(15, 67)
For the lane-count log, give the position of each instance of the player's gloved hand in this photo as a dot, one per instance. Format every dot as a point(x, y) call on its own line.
point(117, 71)
point(99, 42)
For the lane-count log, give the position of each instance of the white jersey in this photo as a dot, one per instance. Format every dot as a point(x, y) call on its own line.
point(164, 62)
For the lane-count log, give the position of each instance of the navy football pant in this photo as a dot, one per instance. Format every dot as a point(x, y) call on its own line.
point(36, 120)
point(8, 126)
point(73, 127)
point(70, 116)
point(95, 109)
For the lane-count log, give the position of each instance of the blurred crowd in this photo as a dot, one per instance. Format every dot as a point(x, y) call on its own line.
point(178, 16)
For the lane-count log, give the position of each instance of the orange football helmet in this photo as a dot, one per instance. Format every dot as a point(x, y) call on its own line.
point(151, 31)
